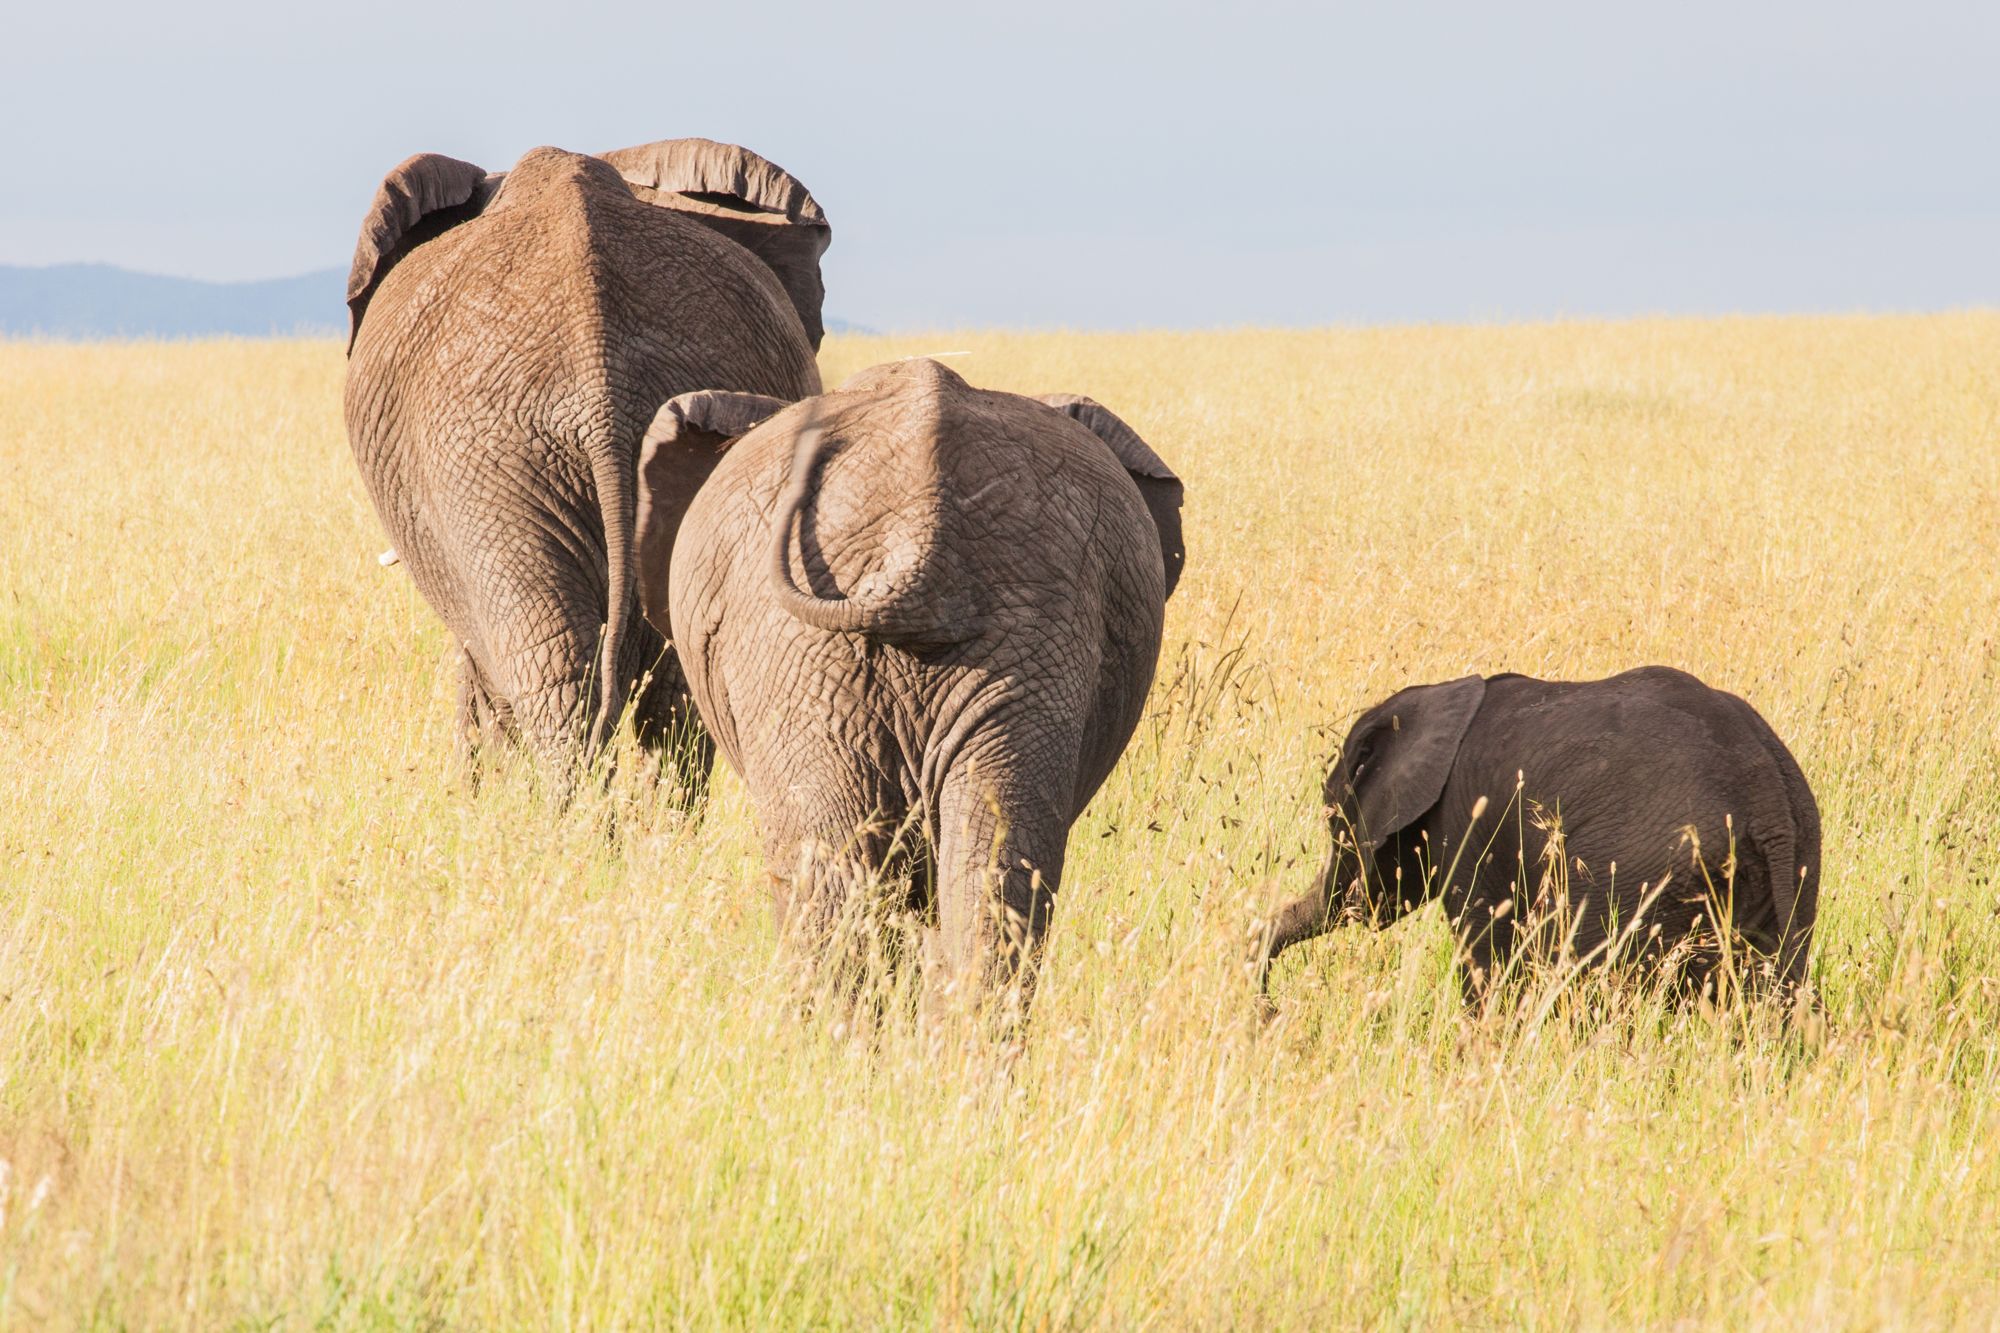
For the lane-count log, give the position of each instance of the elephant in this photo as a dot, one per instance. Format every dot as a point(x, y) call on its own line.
point(1589, 819)
point(921, 620)
point(510, 338)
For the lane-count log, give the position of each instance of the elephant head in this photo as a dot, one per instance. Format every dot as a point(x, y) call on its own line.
point(1391, 771)
point(728, 189)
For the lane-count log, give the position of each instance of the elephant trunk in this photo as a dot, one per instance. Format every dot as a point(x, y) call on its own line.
point(905, 610)
point(1304, 918)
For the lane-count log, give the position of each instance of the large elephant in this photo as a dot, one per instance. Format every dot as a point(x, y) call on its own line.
point(511, 338)
point(1624, 815)
point(912, 605)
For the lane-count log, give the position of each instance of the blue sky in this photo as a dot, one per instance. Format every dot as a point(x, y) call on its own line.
point(1096, 166)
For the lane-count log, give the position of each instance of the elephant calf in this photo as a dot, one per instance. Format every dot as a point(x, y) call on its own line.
point(1616, 817)
point(912, 604)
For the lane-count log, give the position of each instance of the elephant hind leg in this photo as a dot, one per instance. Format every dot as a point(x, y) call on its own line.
point(1002, 832)
point(552, 718)
point(483, 719)
point(544, 658)
point(545, 655)
point(838, 881)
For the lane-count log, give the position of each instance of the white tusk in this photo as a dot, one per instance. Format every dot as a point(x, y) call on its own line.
point(388, 558)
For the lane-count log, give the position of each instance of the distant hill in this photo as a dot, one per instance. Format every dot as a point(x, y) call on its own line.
point(105, 301)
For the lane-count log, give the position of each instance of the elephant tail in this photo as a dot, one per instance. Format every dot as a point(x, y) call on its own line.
point(902, 608)
point(616, 501)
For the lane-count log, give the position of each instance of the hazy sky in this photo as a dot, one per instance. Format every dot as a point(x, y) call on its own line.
point(1089, 165)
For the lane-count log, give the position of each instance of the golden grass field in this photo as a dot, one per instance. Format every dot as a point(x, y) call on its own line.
point(297, 1033)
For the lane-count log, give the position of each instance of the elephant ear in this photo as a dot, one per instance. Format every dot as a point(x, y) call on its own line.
point(689, 435)
point(753, 202)
point(424, 196)
point(1399, 754)
point(1158, 486)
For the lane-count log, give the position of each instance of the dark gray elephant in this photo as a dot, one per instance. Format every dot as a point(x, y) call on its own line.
point(913, 606)
point(1676, 805)
point(512, 336)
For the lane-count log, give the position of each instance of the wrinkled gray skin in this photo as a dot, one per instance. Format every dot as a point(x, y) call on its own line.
point(913, 599)
point(512, 337)
point(1651, 772)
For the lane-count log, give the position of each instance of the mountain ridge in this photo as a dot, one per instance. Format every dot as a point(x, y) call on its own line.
point(85, 301)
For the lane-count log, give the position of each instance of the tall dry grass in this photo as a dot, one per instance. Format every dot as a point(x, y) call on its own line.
point(295, 1033)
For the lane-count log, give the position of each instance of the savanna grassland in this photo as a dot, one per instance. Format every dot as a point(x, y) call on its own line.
point(296, 1032)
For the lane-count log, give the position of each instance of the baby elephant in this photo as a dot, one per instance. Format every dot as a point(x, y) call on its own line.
point(1593, 819)
point(920, 619)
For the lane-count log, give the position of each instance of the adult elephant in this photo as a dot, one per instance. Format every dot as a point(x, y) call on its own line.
point(913, 602)
point(511, 337)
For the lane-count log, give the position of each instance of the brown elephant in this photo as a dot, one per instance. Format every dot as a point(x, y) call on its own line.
point(1631, 815)
point(511, 338)
point(911, 605)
